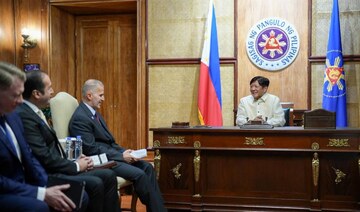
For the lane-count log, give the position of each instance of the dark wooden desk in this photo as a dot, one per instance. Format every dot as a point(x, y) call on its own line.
point(280, 169)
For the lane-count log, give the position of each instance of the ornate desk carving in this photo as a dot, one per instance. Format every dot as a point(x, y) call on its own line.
point(290, 168)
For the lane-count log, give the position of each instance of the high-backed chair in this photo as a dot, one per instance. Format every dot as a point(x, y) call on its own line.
point(288, 108)
point(62, 107)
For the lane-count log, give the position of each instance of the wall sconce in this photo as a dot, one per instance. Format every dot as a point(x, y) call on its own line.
point(27, 44)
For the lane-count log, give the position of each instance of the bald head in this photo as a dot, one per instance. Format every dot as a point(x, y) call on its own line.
point(91, 85)
point(93, 93)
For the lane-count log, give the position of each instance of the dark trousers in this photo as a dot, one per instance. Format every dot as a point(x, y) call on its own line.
point(16, 203)
point(19, 203)
point(142, 174)
point(101, 186)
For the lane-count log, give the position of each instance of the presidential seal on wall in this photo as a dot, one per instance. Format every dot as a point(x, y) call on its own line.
point(272, 44)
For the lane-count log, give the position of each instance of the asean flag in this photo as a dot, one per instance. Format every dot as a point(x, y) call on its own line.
point(209, 93)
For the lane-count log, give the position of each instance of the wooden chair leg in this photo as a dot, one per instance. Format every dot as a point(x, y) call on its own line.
point(133, 201)
point(129, 190)
point(119, 198)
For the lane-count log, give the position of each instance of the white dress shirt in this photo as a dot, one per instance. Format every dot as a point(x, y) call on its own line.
point(268, 106)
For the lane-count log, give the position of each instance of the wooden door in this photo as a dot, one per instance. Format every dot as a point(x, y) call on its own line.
point(106, 50)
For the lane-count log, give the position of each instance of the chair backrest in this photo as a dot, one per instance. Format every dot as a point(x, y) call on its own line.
point(62, 107)
point(288, 108)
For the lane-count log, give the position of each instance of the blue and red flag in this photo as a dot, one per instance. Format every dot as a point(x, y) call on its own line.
point(209, 94)
point(334, 90)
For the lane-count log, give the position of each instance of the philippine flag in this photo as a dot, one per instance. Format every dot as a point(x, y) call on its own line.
point(209, 94)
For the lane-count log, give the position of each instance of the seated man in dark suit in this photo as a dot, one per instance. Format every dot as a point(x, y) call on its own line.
point(101, 184)
point(97, 139)
point(22, 179)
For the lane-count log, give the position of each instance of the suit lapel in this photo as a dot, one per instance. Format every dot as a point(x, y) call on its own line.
point(104, 127)
point(5, 141)
point(16, 132)
point(99, 126)
point(52, 130)
point(32, 113)
point(87, 112)
point(37, 118)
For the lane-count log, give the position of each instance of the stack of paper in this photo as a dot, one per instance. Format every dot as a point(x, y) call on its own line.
point(141, 153)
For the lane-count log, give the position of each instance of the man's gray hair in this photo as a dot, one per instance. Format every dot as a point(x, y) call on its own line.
point(90, 85)
point(8, 72)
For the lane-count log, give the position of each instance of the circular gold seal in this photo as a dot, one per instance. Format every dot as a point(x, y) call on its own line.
point(315, 146)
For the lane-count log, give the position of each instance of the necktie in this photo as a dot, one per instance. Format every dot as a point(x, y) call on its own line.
point(42, 116)
point(106, 131)
point(97, 118)
point(7, 133)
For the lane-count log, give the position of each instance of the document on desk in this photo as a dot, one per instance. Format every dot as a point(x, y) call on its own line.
point(141, 153)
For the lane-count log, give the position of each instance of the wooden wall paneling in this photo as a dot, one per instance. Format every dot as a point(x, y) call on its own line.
point(92, 7)
point(142, 127)
point(94, 52)
point(125, 82)
point(77, 1)
point(20, 16)
point(106, 50)
point(33, 16)
point(291, 83)
point(62, 51)
point(86, 7)
point(7, 31)
point(44, 18)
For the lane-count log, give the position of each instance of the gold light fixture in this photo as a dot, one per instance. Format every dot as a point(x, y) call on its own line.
point(28, 43)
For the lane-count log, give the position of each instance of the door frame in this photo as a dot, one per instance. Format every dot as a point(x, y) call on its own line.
point(62, 49)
